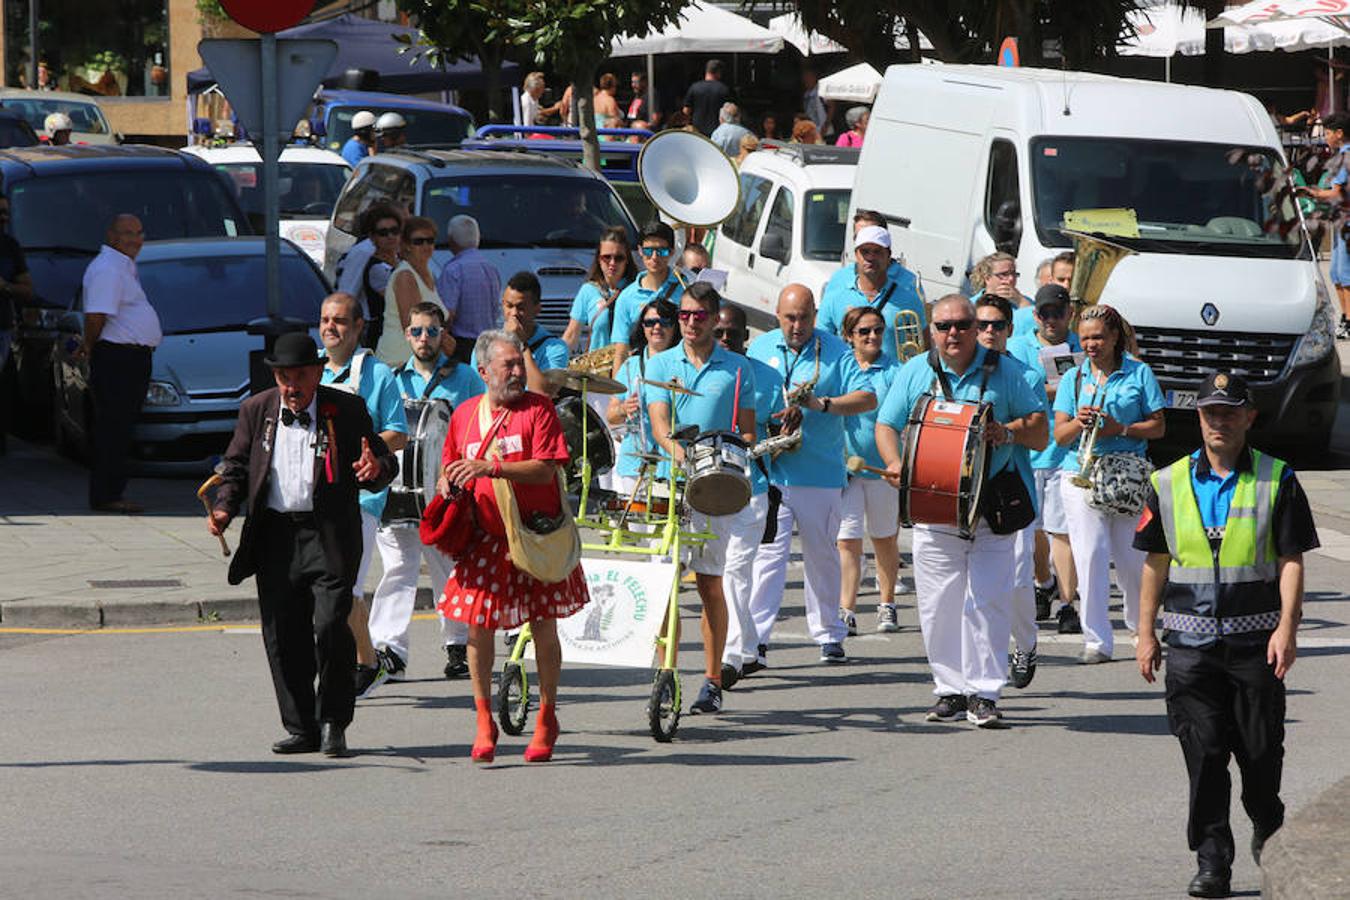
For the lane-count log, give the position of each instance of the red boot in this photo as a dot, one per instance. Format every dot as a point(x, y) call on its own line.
point(485, 742)
point(545, 735)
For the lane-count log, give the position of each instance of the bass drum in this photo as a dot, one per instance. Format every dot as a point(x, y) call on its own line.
point(419, 463)
point(578, 418)
point(944, 464)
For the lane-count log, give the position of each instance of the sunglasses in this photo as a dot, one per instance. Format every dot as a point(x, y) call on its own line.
point(993, 324)
point(611, 257)
point(696, 315)
point(432, 331)
point(866, 331)
point(727, 332)
point(422, 241)
point(649, 252)
point(959, 324)
point(385, 232)
point(1051, 312)
point(662, 321)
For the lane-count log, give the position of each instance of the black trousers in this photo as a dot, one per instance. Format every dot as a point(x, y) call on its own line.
point(304, 607)
point(1224, 701)
point(118, 377)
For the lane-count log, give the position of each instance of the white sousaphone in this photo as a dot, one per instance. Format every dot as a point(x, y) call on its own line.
point(689, 178)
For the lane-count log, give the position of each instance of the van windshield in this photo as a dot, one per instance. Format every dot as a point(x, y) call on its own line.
point(528, 210)
point(1190, 198)
point(826, 223)
point(170, 204)
point(308, 190)
point(425, 126)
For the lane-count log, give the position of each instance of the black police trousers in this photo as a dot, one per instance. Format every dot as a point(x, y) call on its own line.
point(1225, 701)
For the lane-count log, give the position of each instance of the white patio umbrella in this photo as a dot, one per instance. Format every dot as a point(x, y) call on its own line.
point(856, 84)
point(702, 29)
point(1166, 29)
point(789, 27)
point(1335, 13)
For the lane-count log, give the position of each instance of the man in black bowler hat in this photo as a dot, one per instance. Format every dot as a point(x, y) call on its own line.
point(1225, 529)
point(299, 454)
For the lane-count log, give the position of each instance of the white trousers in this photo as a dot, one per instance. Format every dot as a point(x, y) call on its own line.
point(1100, 539)
point(738, 582)
point(369, 525)
point(391, 609)
point(1024, 589)
point(965, 594)
point(816, 513)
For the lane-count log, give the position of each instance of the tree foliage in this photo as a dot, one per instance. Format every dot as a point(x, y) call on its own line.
point(460, 29)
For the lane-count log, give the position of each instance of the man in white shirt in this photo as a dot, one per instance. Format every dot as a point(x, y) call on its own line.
point(121, 331)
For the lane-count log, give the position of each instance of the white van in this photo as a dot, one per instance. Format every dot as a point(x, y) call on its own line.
point(966, 159)
point(789, 225)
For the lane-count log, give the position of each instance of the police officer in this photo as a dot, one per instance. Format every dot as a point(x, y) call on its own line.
point(1225, 530)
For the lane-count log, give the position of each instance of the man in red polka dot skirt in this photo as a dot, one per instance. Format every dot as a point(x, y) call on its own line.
point(515, 435)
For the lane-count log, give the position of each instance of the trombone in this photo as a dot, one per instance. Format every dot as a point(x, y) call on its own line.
point(908, 335)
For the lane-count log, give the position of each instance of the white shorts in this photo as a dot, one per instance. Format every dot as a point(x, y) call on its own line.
point(874, 500)
point(1051, 519)
point(711, 558)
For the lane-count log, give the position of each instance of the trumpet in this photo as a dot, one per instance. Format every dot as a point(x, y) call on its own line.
point(1087, 458)
point(908, 335)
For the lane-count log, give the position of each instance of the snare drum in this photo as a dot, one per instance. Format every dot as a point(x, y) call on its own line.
point(419, 463)
point(944, 463)
point(717, 470)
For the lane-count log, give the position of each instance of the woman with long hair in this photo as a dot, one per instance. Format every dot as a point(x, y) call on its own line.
point(868, 499)
point(612, 269)
point(410, 284)
point(656, 330)
point(1122, 390)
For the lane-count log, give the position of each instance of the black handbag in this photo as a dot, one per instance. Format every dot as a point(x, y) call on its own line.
point(1006, 502)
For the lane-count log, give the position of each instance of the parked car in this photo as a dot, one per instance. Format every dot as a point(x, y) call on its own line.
point(790, 224)
point(429, 123)
point(61, 200)
point(537, 213)
point(91, 126)
point(15, 131)
point(311, 180)
point(206, 291)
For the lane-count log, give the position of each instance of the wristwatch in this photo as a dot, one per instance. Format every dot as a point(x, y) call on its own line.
point(825, 404)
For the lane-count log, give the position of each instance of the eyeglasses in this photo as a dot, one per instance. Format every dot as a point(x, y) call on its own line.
point(422, 241)
point(611, 257)
point(958, 324)
point(385, 232)
point(697, 315)
point(432, 331)
point(662, 321)
point(993, 324)
point(1008, 274)
point(649, 252)
point(1051, 312)
point(861, 331)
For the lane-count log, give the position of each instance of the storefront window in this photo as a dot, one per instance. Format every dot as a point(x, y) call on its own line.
point(123, 51)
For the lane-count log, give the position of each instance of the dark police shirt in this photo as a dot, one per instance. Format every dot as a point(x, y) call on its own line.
point(12, 265)
point(1293, 524)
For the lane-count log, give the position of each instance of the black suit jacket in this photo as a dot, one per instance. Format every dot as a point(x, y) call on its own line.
point(246, 469)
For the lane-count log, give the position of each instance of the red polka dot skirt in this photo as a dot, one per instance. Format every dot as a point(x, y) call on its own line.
point(485, 589)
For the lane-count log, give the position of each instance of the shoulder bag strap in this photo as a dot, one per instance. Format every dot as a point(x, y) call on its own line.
point(435, 380)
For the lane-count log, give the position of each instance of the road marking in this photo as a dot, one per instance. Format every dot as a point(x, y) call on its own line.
point(167, 629)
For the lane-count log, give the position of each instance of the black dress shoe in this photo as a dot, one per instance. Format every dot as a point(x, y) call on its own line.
point(333, 739)
point(1209, 883)
point(297, 743)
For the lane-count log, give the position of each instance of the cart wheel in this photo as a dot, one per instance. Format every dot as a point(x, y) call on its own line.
point(663, 710)
point(513, 698)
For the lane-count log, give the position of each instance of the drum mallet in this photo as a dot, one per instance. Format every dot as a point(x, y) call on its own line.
point(206, 504)
point(858, 464)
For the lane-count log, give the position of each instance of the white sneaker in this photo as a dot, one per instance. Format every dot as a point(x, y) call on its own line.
point(888, 619)
point(848, 618)
point(1091, 657)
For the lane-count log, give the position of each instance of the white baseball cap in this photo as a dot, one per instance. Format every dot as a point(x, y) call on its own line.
point(363, 119)
point(872, 234)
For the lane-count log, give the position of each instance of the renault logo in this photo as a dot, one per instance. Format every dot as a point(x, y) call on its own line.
point(1209, 313)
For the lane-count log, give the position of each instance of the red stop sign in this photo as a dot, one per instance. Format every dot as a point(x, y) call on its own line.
point(267, 15)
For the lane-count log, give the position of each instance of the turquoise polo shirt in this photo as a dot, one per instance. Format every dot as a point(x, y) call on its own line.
point(1026, 349)
point(1024, 320)
point(385, 404)
point(631, 373)
point(819, 460)
point(633, 298)
point(549, 352)
point(459, 384)
point(1132, 394)
point(583, 310)
point(860, 431)
point(1008, 390)
point(715, 383)
point(841, 294)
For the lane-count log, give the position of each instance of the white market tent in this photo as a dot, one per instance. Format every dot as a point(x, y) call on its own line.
point(702, 29)
point(856, 84)
point(1166, 29)
point(789, 27)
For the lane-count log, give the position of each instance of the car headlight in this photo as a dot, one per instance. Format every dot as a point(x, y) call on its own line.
point(161, 393)
point(1320, 338)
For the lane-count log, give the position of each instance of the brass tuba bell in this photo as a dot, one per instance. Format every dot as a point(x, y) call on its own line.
point(1093, 260)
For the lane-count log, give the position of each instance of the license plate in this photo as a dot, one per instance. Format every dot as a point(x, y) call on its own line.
point(1181, 399)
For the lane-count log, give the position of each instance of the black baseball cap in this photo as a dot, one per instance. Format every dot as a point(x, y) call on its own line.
point(1051, 295)
point(1222, 389)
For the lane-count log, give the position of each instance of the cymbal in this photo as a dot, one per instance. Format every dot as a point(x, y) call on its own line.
point(579, 381)
point(653, 458)
point(673, 386)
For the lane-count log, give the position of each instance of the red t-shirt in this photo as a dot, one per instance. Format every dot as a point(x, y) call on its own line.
point(531, 430)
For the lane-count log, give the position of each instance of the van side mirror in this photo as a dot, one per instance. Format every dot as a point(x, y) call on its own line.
point(774, 247)
point(1008, 227)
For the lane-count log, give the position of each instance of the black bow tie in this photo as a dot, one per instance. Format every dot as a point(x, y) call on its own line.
point(291, 418)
